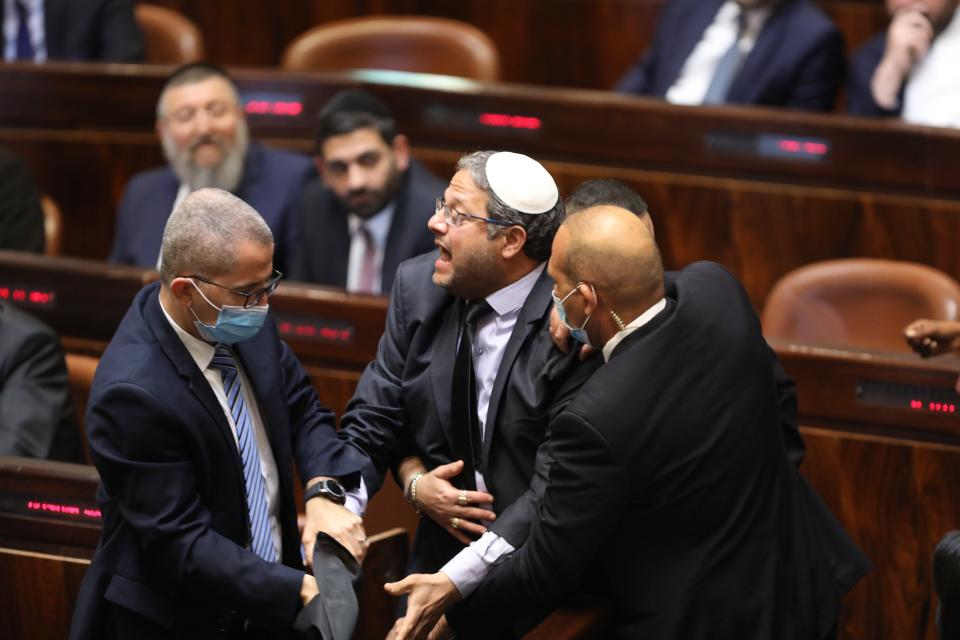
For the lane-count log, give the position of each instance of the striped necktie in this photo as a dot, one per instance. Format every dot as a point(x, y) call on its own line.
point(261, 540)
point(728, 67)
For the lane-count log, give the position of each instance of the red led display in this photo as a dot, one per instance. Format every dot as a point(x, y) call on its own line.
point(803, 146)
point(320, 332)
point(274, 108)
point(64, 509)
point(24, 295)
point(935, 407)
point(509, 121)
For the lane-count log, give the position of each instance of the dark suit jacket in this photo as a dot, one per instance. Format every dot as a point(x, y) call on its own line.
point(862, 65)
point(670, 484)
point(272, 183)
point(402, 403)
point(92, 30)
point(36, 413)
point(797, 60)
point(21, 218)
point(172, 557)
point(323, 247)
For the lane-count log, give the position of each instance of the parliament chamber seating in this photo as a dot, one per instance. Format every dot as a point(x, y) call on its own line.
point(52, 226)
point(171, 37)
point(404, 43)
point(760, 191)
point(858, 303)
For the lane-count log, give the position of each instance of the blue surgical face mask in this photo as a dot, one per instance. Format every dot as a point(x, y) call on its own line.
point(577, 333)
point(234, 324)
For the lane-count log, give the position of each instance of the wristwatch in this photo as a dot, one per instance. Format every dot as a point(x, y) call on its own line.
point(329, 489)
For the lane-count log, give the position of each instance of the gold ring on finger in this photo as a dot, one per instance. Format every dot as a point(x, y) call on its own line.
point(455, 523)
point(462, 499)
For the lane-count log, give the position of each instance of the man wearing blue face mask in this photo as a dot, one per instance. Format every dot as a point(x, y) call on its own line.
point(195, 413)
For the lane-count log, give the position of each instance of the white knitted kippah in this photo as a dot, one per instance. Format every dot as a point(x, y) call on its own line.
point(521, 182)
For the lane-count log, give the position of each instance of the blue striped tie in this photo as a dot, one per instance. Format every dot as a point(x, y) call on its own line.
point(261, 540)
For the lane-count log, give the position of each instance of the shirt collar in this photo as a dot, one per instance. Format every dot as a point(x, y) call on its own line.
point(512, 296)
point(378, 224)
point(637, 322)
point(201, 351)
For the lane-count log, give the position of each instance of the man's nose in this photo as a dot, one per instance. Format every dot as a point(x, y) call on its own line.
point(356, 177)
point(436, 223)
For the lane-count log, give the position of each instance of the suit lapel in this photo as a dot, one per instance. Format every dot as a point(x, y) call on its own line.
point(442, 358)
point(187, 368)
point(535, 306)
point(398, 237)
point(53, 24)
point(772, 37)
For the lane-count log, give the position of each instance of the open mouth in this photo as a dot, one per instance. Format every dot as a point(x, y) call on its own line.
point(444, 253)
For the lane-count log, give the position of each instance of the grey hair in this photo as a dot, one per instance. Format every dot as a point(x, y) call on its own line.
point(203, 233)
point(540, 227)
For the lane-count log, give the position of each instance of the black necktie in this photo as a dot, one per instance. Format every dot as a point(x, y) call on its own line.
point(468, 438)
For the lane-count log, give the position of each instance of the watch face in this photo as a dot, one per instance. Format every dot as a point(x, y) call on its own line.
point(334, 488)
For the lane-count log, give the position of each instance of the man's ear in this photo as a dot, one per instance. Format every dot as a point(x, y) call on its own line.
point(401, 151)
point(180, 288)
point(515, 239)
point(590, 301)
point(318, 163)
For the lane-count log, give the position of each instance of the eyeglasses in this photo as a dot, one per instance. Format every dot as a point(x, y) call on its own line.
point(557, 300)
point(214, 110)
point(455, 218)
point(250, 298)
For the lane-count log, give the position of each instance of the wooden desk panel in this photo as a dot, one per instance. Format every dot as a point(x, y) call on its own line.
point(882, 189)
point(890, 473)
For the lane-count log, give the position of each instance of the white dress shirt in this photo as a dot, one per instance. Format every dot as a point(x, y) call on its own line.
point(635, 324)
point(932, 95)
point(11, 24)
point(697, 72)
point(468, 567)
point(379, 227)
point(202, 353)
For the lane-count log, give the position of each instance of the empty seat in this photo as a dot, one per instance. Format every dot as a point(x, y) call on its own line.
point(403, 43)
point(171, 37)
point(858, 303)
point(80, 371)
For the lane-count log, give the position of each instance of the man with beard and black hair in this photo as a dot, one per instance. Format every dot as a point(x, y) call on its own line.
point(368, 211)
point(201, 125)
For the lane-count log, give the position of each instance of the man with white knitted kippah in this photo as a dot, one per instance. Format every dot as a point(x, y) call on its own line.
point(466, 377)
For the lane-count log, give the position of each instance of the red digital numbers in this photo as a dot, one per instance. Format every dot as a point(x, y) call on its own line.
point(935, 407)
point(24, 295)
point(510, 121)
point(64, 509)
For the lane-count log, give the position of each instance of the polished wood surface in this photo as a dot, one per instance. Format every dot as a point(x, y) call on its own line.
point(37, 594)
point(568, 43)
point(890, 473)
